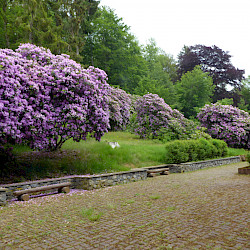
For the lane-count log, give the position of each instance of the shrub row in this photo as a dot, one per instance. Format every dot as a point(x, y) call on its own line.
point(179, 151)
point(248, 157)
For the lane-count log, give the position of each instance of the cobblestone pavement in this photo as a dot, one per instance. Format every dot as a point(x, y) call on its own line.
point(206, 209)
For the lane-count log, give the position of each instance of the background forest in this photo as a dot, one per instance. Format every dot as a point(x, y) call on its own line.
point(94, 35)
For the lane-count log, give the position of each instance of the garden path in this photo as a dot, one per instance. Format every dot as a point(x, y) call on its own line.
point(195, 210)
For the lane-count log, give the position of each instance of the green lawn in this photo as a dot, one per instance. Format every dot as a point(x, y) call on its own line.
point(91, 157)
point(132, 153)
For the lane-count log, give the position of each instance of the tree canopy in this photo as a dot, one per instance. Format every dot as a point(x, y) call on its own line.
point(113, 48)
point(194, 90)
point(96, 36)
point(217, 63)
point(60, 25)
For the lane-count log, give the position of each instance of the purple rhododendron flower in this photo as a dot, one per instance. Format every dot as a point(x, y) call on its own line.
point(119, 109)
point(227, 123)
point(156, 119)
point(46, 99)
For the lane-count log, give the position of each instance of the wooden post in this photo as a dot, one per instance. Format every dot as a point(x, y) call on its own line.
point(24, 197)
point(64, 190)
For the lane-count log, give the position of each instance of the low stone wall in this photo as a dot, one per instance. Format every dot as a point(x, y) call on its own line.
point(192, 166)
point(78, 182)
point(107, 180)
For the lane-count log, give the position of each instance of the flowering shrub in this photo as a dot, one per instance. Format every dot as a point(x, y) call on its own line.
point(119, 109)
point(46, 99)
point(227, 123)
point(156, 119)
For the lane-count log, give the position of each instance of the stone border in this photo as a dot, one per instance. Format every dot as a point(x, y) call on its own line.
point(192, 166)
point(90, 182)
point(86, 182)
point(107, 180)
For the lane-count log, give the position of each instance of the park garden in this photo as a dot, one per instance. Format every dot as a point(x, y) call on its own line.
point(79, 97)
point(70, 87)
point(58, 117)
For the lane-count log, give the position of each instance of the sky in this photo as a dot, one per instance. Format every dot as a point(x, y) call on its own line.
point(175, 23)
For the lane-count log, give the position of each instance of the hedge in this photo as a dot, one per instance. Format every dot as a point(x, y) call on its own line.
point(248, 157)
point(179, 151)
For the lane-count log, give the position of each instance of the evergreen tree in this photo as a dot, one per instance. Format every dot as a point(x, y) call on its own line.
point(77, 17)
point(161, 70)
point(60, 25)
point(10, 31)
point(111, 47)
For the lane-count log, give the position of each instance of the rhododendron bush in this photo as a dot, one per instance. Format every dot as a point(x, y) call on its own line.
point(156, 119)
point(227, 123)
point(119, 109)
point(46, 99)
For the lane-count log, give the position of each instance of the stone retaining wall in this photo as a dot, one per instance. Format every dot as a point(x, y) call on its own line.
point(105, 180)
point(78, 182)
point(192, 166)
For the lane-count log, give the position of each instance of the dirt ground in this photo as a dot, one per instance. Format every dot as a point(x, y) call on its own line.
point(206, 209)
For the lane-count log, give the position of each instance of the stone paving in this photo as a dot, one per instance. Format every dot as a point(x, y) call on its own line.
point(206, 209)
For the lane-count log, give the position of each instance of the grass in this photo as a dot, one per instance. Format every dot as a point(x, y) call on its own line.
point(155, 197)
point(133, 152)
point(91, 214)
point(91, 157)
point(87, 157)
point(236, 151)
point(170, 209)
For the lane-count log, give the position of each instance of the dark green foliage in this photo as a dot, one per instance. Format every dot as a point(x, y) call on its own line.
point(111, 47)
point(217, 63)
point(194, 90)
point(59, 25)
point(7, 161)
point(248, 157)
point(179, 151)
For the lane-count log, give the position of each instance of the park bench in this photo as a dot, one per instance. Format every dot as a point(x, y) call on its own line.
point(23, 195)
point(154, 172)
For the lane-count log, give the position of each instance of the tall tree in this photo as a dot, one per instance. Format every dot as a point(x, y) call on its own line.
point(27, 21)
point(113, 48)
point(60, 25)
point(9, 29)
point(4, 22)
point(194, 89)
point(244, 94)
point(217, 63)
point(77, 17)
point(161, 71)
